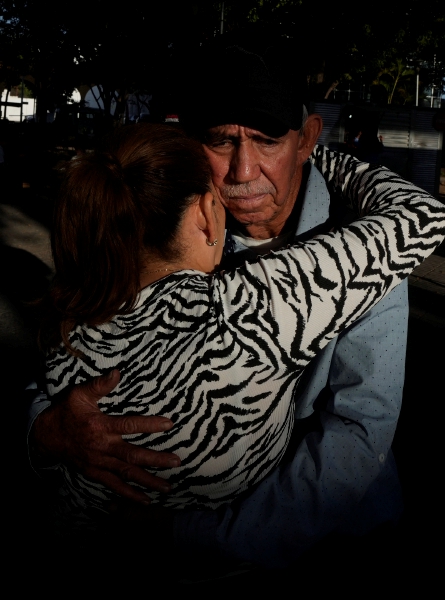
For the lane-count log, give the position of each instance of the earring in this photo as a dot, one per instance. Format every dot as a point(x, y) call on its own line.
point(211, 243)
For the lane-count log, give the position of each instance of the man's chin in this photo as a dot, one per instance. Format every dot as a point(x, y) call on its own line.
point(251, 218)
point(253, 223)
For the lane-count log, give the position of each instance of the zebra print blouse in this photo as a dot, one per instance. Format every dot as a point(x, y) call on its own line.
point(221, 354)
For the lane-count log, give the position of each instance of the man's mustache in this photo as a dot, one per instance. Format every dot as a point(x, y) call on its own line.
point(241, 190)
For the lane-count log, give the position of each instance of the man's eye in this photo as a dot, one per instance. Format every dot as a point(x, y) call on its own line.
point(220, 144)
point(268, 142)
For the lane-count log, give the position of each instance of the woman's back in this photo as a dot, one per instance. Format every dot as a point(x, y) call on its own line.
point(186, 354)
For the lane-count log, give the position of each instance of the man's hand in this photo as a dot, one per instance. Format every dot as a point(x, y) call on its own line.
point(75, 432)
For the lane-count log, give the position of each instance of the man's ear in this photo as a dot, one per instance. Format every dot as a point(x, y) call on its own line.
point(309, 136)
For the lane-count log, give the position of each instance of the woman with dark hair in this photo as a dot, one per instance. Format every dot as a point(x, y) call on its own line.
point(137, 241)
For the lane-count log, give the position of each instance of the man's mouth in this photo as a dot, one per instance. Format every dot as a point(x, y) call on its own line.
point(247, 201)
point(251, 198)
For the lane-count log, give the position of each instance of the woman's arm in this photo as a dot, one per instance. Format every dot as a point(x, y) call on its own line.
point(358, 183)
point(305, 295)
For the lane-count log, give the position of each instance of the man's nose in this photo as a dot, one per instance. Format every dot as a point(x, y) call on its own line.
point(244, 164)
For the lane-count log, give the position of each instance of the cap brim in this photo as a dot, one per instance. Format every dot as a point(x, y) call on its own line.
point(253, 118)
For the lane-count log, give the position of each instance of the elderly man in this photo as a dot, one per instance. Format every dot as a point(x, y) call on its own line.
point(339, 474)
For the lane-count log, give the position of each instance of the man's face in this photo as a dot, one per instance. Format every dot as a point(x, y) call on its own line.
point(257, 176)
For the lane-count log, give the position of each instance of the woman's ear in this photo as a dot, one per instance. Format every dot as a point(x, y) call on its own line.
point(206, 217)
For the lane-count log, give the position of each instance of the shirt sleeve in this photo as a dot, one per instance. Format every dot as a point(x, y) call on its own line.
point(38, 401)
point(364, 392)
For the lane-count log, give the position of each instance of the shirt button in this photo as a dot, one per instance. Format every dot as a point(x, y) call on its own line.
point(381, 458)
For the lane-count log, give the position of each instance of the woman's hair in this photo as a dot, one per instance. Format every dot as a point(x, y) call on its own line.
point(115, 205)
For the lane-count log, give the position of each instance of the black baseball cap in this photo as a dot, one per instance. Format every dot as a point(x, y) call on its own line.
point(256, 83)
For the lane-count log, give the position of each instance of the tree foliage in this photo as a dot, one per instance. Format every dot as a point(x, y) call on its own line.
point(345, 44)
point(396, 79)
point(136, 48)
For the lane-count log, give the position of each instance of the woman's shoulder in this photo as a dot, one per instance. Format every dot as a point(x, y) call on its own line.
point(181, 285)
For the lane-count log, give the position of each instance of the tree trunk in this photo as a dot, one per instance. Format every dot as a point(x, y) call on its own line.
point(41, 100)
point(396, 80)
point(6, 100)
point(98, 98)
point(331, 89)
point(121, 111)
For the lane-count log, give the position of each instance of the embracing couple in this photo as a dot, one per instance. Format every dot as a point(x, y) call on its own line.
point(282, 330)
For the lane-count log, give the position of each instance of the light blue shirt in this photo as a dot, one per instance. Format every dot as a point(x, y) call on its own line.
point(342, 476)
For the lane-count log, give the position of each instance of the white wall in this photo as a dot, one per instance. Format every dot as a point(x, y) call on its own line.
point(13, 112)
